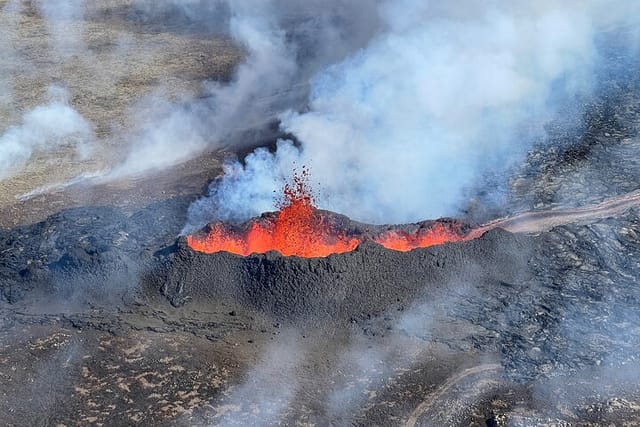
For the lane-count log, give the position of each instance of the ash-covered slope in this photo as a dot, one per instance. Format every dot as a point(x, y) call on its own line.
point(552, 311)
point(360, 284)
point(81, 251)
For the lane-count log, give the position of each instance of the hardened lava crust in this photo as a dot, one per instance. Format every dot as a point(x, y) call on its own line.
point(360, 284)
point(505, 326)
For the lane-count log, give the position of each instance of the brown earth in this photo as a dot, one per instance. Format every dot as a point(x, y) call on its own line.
point(120, 61)
point(547, 334)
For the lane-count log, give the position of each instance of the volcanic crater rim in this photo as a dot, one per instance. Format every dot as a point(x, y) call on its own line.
point(368, 243)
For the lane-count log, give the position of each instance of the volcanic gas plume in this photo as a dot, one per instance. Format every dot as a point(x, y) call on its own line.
point(299, 228)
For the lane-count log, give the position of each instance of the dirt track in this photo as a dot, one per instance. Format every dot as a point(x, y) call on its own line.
point(443, 389)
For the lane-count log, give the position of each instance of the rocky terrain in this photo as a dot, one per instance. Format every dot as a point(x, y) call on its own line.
point(107, 317)
point(114, 324)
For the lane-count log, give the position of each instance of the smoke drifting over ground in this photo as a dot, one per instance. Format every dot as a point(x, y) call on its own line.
point(48, 127)
point(285, 42)
point(374, 92)
point(398, 131)
point(63, 18)
point(397, 108)
point(270, 387)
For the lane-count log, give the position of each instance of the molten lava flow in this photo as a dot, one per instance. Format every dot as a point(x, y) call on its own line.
point(298, 228)
point(402, 241)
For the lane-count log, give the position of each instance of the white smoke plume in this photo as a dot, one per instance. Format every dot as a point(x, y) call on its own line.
point(397, 131)
point(178, 133)
point(284, 43)
point(47, 127)
point(269, 390)
point(64, 22)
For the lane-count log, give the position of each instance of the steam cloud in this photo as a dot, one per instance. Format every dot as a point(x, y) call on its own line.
point(63, 18)
point(397, 131)
point(270, 387)
point(46, 127)
point(283, 49)
point(180, 132)
point(285, 42)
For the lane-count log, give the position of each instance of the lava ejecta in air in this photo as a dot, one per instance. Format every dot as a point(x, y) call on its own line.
point(300, 229)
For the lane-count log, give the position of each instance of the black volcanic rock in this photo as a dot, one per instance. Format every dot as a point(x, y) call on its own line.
point(359, 284)
point(554, 308)
point(85, 249)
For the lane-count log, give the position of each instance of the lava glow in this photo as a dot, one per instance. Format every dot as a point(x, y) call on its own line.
point(300, 229)
point(402, 241)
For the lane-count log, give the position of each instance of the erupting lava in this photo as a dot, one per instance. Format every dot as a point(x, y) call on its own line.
point(300, 229)
point(402, 241)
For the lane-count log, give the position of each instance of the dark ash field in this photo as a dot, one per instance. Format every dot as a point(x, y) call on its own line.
point(108, 317)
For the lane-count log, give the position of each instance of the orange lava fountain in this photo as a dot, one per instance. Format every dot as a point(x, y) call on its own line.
point(300, 229)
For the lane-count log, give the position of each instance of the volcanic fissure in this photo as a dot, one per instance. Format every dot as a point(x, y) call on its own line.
point(300, 229)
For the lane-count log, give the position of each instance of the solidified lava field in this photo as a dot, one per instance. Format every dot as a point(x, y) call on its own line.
point(138, 285)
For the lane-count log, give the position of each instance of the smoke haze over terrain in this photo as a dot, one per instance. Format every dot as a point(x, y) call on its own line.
point(396, 107)
point(398, 131)
point(399, 109)
point(284, 42)
point(46, 127)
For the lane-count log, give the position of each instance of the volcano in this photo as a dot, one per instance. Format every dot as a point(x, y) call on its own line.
point(300, 229)
point(522, 310)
